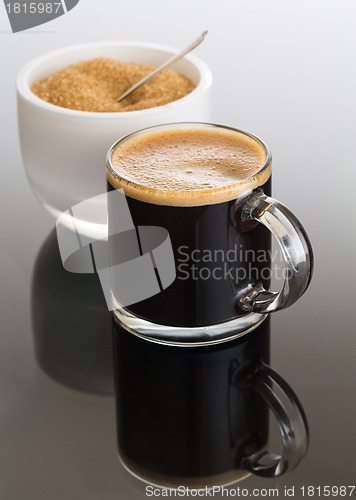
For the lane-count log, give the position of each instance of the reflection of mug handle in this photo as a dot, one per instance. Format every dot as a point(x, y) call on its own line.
point(291, 418)
point(296, 248)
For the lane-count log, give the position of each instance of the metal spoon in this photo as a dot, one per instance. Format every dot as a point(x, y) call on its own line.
point(170, 61)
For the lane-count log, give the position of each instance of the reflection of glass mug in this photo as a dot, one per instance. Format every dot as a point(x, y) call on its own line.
point(63, 149)
point(198, 417)
point(209, 187)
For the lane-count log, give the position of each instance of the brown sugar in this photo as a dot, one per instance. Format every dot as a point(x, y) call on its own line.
point(95, 85)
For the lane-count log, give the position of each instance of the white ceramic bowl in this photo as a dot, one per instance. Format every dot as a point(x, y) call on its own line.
point(64, 150)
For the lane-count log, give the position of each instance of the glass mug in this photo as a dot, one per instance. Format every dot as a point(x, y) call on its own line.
point(220, 241)
point(199, 417)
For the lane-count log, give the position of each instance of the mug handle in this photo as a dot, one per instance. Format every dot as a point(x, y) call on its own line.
point(291, 419)
point(296, 249)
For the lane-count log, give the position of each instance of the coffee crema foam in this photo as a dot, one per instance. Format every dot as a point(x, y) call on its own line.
point(188, 166)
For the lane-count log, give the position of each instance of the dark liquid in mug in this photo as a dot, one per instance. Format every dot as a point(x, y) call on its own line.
point(192, 182)
point(182, 417)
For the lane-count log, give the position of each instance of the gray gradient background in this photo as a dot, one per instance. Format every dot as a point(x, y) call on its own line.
point(283, 70)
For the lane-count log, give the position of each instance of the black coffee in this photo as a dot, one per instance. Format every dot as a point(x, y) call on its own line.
point(192, 182)
point(184, 416)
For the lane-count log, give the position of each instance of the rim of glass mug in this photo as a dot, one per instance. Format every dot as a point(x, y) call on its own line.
point(230, 190)
point(50, 62)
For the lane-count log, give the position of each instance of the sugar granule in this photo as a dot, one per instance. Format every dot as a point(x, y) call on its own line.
point(95, 85)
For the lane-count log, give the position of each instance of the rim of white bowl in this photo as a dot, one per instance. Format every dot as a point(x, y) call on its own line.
point(24, 90)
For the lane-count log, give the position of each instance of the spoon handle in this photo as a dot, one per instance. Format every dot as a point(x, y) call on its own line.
point(170, 61)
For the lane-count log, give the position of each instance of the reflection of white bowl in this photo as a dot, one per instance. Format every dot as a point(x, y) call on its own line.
point(64, 150)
